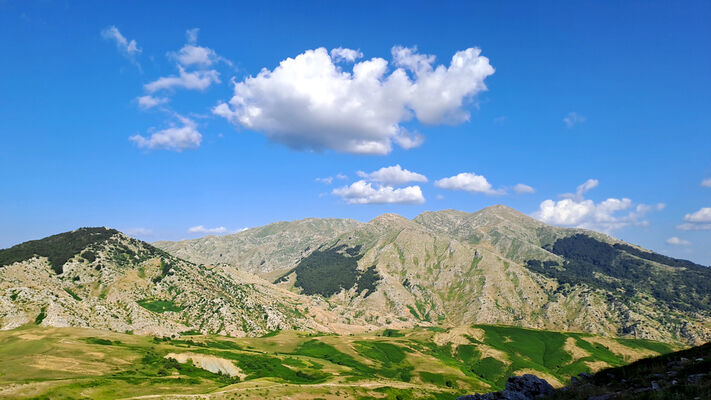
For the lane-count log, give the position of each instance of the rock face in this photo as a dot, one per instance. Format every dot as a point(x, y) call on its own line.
point(111, 281)
point(525, 387)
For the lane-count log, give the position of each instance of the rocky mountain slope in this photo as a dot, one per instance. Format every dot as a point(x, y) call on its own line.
point(495, 266)
point(100, 278)
point(262, 250)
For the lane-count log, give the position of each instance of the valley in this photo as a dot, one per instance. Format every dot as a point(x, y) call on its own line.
point(40, 362)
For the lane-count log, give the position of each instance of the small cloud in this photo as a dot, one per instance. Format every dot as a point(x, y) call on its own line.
point(687, 226)
point(573, 119)
point(706, 183)
point(342, 54)
point(363, 192)
point(176, 138)
point(327, 180)
point(191, 35)
point(147, 102)
point(701, 216)
point(523, 189)
point(193, 55)
point(138, 232)
point(675, 241)
point(341, 176)
point(203, 229)
point(196, 80)
point(391, 176)
point(697, 221)
point(440, 197)
point(469, 182)
point(581, 190)
point(500, 120)
point(128, 48)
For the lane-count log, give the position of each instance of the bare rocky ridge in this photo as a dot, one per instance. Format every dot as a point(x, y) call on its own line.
point(454, 268)
point(446, 268)
point(272, 248)
point(132, 286)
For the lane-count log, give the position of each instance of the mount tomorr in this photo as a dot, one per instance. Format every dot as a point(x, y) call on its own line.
point(447, 268)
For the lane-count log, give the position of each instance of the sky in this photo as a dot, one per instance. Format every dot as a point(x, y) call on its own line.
point(177, 120)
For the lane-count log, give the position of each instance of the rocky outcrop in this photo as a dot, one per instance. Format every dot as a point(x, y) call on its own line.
point(524, 387)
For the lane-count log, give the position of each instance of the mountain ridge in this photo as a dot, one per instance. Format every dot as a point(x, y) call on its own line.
point(445, 268)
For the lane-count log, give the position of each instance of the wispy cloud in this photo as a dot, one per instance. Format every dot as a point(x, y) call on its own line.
point(573, 118)
point(675, 241)
point(128, 48)
point(522, 188)
point(203, 229)
point(147, 102)
point(176, 138)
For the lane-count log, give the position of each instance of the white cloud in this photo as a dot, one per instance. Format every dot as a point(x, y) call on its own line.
point(706, 182)
point(193, 55)
point(573, 119)
point(581, 190)
point(191, 35)
point(327, 180)
point(311, 103)
point(678, 242)
point(697, 221)
point(362, 192)
point(342, 54)
point(391, 176)
point(523, 189)
point(468, 181)
point(176, 138)
point(575, 210)
point(148, 101)
point(341, 176)
point(127, 48)
point(202, 229)
point(139, 232)
point(196, 80)
point(687, 226)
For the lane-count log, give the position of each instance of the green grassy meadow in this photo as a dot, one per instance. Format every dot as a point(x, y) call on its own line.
point(75, 363)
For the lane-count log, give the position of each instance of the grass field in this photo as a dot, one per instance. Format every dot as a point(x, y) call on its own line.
point(75, 363)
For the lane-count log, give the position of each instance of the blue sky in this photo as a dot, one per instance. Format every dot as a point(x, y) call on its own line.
point(600, 108)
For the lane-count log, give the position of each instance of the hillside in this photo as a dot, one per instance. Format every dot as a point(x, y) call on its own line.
point(41, 362)
point(274, 247)
point(451, 268)
point(100, 278)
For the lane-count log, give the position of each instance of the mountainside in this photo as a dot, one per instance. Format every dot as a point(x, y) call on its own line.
point(496, 266)
point(100, 278)
point(274, 247)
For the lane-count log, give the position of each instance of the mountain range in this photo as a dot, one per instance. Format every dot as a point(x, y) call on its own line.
point(441, 269)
